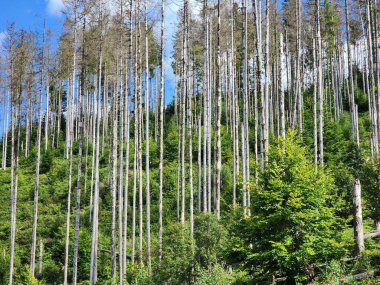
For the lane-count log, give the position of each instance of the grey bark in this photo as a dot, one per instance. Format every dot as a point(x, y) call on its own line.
point(358, 217)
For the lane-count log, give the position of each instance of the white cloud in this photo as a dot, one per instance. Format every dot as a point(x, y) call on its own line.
point(55, 7)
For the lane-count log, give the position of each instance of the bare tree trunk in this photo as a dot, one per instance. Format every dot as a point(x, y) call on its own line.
point(298, 69)
point(127, 139)
point(140, 135)
point(40, 258)
point(358, 218)
point(5, 140)
point(218, 118)
point(95, 215)
point(315, 118)
point(18, 119)
point(59, 113)
point(47, 114)
point(183, 112)
point(147, 77)
point(189, 122)
point(205, 107)
point(136, 144)
point(37, 177)
point(350, 79)
point(266, 91)
point(245, 145)
point(121, 179)
point(13, 191)
point(94, 117)
point(70, 149)
point(79, 169)
point(114, 178)
point(282, 96)
point(134, 198)
point(29, 120)
point(161, 127)
point(320, 97)
point(199, 205)
point(126, 186)
point(235, 139)
point(70, 170)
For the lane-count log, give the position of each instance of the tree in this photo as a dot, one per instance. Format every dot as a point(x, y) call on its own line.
point(293, 225)
point(161, 135)
point(319, 78)
point(147, 161)
point(81, 123)
point(37, 179)
point(95, 215)
point(218, 118)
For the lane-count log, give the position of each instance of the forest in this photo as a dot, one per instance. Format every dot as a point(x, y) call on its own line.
point(254, 160)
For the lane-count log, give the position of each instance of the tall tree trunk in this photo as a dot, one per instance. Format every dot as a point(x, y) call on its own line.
point(266, 91)
point(184, 95)
point(70, 149)
point(95, 215)
point(37, 177)
point(218, 118)
point(315, 117)
point(281, 83)
point(80, 120)
point(245, 145)
point(350, 78)
point(320, 97)
point(13, 188)
point(70, 170)
point(148, 253)
point(128, 80)
point(206, 150)
point(140, 135)
point(161, 127)
point(114, 188)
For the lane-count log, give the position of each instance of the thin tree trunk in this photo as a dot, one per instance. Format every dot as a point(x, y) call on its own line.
point(218, 118)
point(148, 246)
point(320, 97)
point(80, 120)
point(161, 132)
point(37, 177)
point(183, 113)
point(282, 96)
point(95, 215)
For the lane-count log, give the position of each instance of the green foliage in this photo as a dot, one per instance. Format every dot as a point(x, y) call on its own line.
point(46, 162)
point(370, 184)
point(331, 25)
point(4, 263)
point(178, 257)
point(26, 278)
point(293, 226)
point(299, 228)
point(214, 276)
point(138, 275)
point(209, 238)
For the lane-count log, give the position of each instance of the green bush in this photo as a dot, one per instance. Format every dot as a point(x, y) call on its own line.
point(215, 276)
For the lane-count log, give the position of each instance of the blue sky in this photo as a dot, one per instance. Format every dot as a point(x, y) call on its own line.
point(30, 14)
